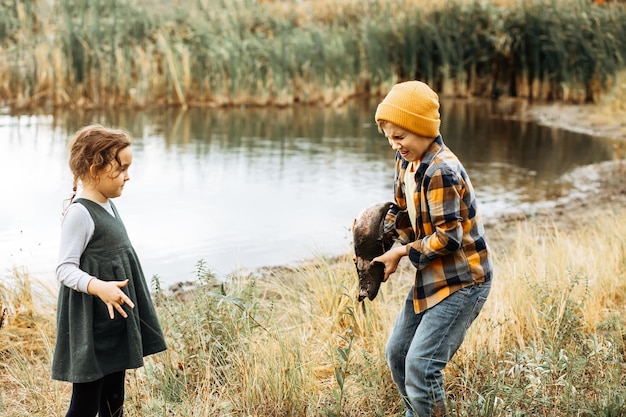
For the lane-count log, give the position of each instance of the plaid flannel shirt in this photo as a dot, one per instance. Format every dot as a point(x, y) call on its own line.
point(448, 246)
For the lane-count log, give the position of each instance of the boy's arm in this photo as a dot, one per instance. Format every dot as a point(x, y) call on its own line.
point(444, 196)
point(398, 227)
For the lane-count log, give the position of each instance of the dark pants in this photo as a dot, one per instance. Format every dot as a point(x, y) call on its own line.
point(104, 397)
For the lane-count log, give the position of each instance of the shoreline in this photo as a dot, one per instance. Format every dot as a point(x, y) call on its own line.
point(597, 187)
point(605, 118)
point(591, 119)
point(599, 184)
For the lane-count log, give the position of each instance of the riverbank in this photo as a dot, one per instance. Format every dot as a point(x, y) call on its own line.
point(596, 187)
point(605, 118)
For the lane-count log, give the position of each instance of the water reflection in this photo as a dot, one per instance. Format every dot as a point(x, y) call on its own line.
point(253, 187)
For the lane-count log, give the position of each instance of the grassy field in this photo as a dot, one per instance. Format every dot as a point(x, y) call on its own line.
point(295, 342)
point(103, 53)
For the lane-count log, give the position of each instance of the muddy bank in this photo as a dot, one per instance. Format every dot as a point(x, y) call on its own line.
point(606, 118)
point(592, 119)
point(595, 189)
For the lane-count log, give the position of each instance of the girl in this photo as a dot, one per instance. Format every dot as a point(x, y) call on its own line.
point(106, 322)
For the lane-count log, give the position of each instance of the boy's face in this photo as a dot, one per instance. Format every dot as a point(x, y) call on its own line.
point(411, 146)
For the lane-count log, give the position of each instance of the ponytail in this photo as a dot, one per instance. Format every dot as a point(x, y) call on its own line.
point(68, 202)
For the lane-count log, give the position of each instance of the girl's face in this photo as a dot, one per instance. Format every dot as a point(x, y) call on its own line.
point(109, 183)
point(411, 146)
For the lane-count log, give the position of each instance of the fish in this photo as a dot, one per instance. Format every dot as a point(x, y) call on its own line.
point(369, 242)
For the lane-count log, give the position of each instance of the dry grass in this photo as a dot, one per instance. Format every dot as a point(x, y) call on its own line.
point(269, 345)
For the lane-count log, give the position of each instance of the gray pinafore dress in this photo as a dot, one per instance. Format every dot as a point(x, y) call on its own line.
point(89, 344)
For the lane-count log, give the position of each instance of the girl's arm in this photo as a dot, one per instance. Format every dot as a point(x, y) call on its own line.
point(76, 230)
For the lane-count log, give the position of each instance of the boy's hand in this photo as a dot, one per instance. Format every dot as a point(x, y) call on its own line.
point(391, 259)
point(111, 294)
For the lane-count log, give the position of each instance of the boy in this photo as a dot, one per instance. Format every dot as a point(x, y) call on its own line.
point(443, 237)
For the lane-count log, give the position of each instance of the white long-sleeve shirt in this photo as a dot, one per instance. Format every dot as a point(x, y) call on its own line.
point(77, 229)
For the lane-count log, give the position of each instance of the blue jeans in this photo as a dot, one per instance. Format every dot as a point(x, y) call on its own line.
point(421, 345)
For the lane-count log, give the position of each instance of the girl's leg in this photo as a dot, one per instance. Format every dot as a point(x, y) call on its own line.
point(85, 399)
point(112, 395)
point(436, 340)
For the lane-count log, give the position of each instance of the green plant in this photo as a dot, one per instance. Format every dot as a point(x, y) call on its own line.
point(342, 362)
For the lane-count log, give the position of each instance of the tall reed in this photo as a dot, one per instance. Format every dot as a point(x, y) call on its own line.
point(102, 53)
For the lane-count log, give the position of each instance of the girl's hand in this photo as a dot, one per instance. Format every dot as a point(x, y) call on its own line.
point(391, 259)
point(111, 294)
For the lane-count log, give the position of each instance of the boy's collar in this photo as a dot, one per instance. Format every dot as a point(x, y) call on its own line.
point(434, 148)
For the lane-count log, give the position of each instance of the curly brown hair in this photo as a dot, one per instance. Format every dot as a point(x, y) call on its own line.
point(95, 147)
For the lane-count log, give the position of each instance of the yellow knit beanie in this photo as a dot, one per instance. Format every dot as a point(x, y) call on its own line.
point(413, 106)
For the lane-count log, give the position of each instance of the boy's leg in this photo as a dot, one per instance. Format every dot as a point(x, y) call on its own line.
point(112, 397)
point(437, 338)
point(398, 345)
point(85, 399)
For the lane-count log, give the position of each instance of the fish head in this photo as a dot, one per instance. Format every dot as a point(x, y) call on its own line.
point(371, 275)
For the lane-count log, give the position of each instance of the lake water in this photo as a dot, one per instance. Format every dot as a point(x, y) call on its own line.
point(245, 188)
